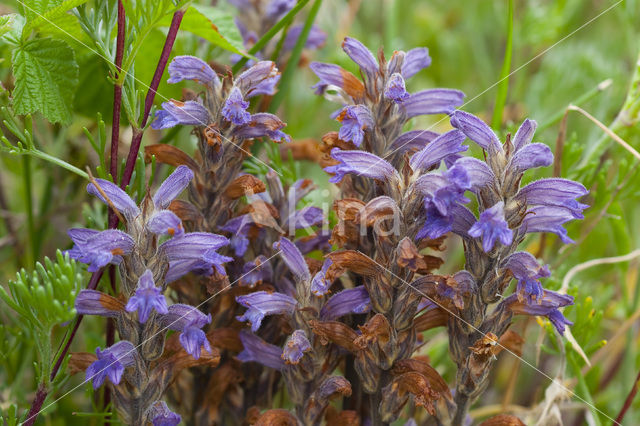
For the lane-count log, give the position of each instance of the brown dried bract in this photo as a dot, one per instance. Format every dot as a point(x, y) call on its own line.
point(355, 261)
point(335, 332)
point(244, 185)
point(503, 420)
point(169, 154)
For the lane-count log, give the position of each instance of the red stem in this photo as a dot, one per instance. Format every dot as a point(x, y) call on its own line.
point(628, 401)
point(148, 102)
point(117, 92)
point(41, 395)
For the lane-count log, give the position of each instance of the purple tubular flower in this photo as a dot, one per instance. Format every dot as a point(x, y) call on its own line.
point(524, 135)
point(447, 144)
point(476, 130)
point(194, 252)
point(120, 199)
point(526, 269)
point(172, 187)
point(531, 156)
point(93, 302)
point(436, 224)
point(99, 248)
point(478, 172)
point(160, 415)
point(315, 40)
point(239, 226)
point(361, 56)
point(432, 101)
point(463, 220)
point(147, 297)
point(555, 192)
point(277, 8)
point(293, 258)
point(548, 219)
point(355, 120)
point(298, 190)
point(491, 227)
point(257, 350)
point(235, 108)
point(329, 74)
point(261, 304)
point(352, 300)
point(414, 61)
point(176, 112)
point(546, 306)
point(111, 363)
point(359, 163)
point(396, 89)
point(319, 241)
point(189, 321)
point(260, 79)
point(295, 347)
point(305, 218)
point(255, 272)
point(165, 222)
point(443, 191)
point(191, 68)
point(262, 124)
point(319, 284)
point(413, 140)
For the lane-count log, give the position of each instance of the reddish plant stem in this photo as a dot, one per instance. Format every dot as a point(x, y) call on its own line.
point(628, 401)
point(148, 103)
point(41, 395)
point(117, 92)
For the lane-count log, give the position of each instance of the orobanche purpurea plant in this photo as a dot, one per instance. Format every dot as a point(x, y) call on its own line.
point(226, 271)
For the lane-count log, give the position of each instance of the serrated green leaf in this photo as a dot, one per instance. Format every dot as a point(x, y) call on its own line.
point(213, 25)
point(46, 12)
point(11, 28)
point(46, 75)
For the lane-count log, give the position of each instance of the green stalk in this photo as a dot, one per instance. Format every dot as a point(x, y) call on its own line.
point(28, 198)
point(391, 22)
point(288, 73)
point(58, 162)
point(503, 86)
point(270, 34)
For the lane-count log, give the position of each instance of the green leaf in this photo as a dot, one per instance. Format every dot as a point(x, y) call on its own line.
point(6, 24)
point(41, 12)
point(46, 75)
point(11, 27)
point(212, 24)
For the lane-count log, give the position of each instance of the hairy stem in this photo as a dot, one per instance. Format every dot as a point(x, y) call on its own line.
point(41, 395)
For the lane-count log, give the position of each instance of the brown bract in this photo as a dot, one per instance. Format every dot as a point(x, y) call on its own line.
point(244, 185)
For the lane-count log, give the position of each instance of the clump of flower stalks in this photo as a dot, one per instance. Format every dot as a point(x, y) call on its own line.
point(240, 293)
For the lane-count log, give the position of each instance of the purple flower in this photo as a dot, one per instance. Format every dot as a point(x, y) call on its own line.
point(172, 187)
point(447, 144)
point(555, 192)
point(99, 248)
point(261, 304)
point(531, 156)
point(548, 219)
point(277, 8)
point(111, 363)
point(93, 302)
point(315, 40)
point(524, 135)
point(360, 163)
point(331, 75)
point(194, 252)
point(361, 56)
point(476, 130)
point(262, 124)
point(306, 217)
point(443, 191)
point(239, 226)
point(120, 199)
point(295, 347)
point(176, 112)
point(257, 350)
point(432, 101)
point(191, 68)
point(395, 88)
point(491, 227)
point(355, 120)
point(260, 79)
point(235, 108)
point(414, 61)
point(160, 415)
point(413, 140)
point(526, 269)
point(352, 300)
point(320, 284)
point(189, 321)
point(293, 258)
point(546, 306)
point(319, 241)
point(147, 297)
point(478, 172)
point(165, 222)
point(255, 272)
